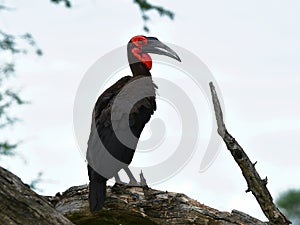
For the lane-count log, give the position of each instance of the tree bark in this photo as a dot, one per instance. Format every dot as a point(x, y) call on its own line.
point(124, 205)
point(256, 185)
point(128, 205)
point(20, 205)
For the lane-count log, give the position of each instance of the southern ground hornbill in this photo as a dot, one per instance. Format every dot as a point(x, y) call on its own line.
point(129, 103)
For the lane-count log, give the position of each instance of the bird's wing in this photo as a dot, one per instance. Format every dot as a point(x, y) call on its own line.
point(111, 118)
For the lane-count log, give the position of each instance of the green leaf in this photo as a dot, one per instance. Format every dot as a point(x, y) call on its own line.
point(146, 29)
point(15, 97)
point(7, 149)
point(33, 184)
point(67, 2)
point(289, 201)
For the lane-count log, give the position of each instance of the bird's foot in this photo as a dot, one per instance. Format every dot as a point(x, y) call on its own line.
point(118, 180)
point(132, 181)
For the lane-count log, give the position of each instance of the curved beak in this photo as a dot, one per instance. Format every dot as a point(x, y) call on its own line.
point(156, 47)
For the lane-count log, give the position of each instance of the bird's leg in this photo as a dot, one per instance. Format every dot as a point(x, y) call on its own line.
point(132, 180)
point(118, 180)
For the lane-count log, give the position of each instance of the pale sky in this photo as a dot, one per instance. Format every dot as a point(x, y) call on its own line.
point(251, 48)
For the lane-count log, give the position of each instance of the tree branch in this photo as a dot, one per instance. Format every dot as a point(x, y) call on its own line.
point(124, 204)
point(21, 205)
point(129, 205)
point(255, 184)
point(146, 6)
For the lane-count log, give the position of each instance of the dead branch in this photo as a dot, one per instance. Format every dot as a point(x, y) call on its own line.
point(256, 185)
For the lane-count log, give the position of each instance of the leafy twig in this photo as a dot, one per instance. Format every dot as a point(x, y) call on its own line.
point(6, 148)
point(145, 6)
point(67, 2)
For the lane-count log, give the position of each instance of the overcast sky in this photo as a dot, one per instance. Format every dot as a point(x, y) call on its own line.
point(252, 49)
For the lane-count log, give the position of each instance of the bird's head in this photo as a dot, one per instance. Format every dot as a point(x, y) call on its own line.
point(139, 47)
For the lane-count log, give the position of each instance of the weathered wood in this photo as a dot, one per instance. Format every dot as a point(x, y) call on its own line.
point(256, 185)
point(20, 205)
point(137, 205)
point(124, 205)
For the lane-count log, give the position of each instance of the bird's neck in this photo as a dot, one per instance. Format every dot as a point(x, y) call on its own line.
point(139, 68)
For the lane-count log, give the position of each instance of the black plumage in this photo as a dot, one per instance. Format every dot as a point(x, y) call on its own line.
point(110, 145)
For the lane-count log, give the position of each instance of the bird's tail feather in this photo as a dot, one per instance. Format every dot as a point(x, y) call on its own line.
point(97, 192)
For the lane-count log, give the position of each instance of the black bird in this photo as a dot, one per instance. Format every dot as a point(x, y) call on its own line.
point(119, 117)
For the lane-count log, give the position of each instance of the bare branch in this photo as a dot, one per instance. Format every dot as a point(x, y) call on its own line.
point(255, 184)
point(218, 111)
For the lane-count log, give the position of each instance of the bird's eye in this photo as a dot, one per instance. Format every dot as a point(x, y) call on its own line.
point(139, 41)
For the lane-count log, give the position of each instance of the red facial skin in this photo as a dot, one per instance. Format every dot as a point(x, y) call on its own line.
point(139, 42)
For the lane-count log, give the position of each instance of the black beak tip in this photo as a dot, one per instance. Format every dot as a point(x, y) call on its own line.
point(176, 57)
